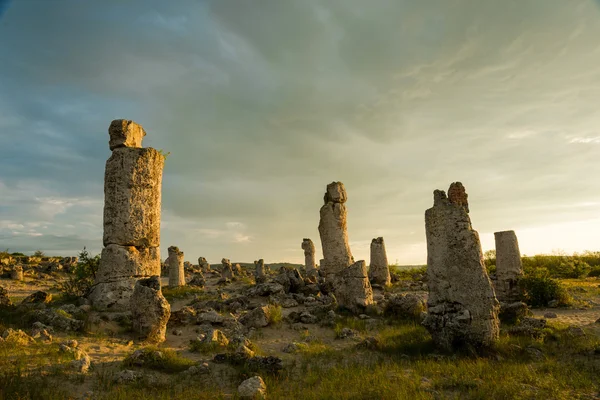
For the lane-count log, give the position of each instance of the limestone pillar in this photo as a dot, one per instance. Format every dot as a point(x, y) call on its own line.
point(150, 311)
point(462, 305)
point(203, 264)
point(509, 268)
point(132, 206)
point(260, 275)
point(309, 258)
point(379, 272)
point(176, 270)
point(227, 270)
point(333, 230)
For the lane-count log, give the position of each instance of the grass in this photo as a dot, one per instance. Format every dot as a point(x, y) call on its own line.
point(181, 292)
point(275, 315)
point(169, 362)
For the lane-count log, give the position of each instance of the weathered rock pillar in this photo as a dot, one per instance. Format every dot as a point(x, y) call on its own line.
point(333, 230)
point(203, 264)
point(132, 201)
point(260, 275)
point(227, 270)
point(309, 258)
point(176, 270)
point(509, 268)
point(150, 311)
point(352, 288)
point(462, 305)
point(379, 272)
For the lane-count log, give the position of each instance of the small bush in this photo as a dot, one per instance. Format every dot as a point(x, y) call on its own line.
point(275, 315)
point(539, 291)
point(84, 275)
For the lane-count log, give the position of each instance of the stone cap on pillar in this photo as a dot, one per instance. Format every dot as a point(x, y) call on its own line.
point(125, 133)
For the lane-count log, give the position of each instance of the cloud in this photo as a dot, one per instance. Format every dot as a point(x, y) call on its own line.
point(261, 107)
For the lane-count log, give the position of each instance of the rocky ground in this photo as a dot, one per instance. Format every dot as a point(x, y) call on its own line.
point(291, 335)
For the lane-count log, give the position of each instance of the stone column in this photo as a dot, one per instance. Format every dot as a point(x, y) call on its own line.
point(176, 270)
point(227, 271)
point(309, 258)
point(333, 230)
point(509, 268)
point(132, 202)
point(203, 264)
point(462, 305)
point(259, 273)
point(379, 269)
point(150, 311)
point(352, 288)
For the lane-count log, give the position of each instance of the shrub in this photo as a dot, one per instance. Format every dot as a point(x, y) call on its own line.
point(275, 315)
point(540, 290)
point(594, 272)
point(83, 277)
point(164, 360)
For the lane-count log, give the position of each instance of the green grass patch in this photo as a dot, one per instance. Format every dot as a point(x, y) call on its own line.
point(181, 292)
point(164, 360)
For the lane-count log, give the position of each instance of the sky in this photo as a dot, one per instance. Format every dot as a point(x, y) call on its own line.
point(262, 103)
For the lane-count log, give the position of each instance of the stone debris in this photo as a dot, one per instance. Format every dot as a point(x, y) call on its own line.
point(132, 209)
point(509, 268)
point(17, 273)
point(333, 230)
point(16, 337)
point(37, 298)
point(253, 389)
point(462, 306)
point(227, 270)
point(257, 318)
point(176, 269)
point(197, 279)
point(203, 264)
point(379, 271)
point(290, 278)
point(310, 265)
point(150, 311)
point(260, 275)
point(352, 288)
point(405, 305)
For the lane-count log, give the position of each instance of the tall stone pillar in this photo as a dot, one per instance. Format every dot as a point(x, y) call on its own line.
point(379, 272)
point(203, 264)
point(132, 202)
point(260, 275)
point(176, 270)
point(509, 268)
point(309, 258)
point(462, 305)
point(333, 230)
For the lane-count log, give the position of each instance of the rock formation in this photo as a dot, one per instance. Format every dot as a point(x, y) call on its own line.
point(17, 273)
point(379, 272)
point(509, 268)
point(333, 231)
point(132, 205)
point(176, 270)
point(462, 305)
point(309, 258)
point(260, 275)
point(150, 311)
point(203, 264)
point(352, 288)
point(226, 271)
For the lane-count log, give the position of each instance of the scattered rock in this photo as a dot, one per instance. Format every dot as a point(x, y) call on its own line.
point(550, 315)
point(257, 318)
point(529, 327)
point(253, 388)
point(128, 376)
point(4, 299)
point(512, 313)
point(405, 305)
point(16, 337)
